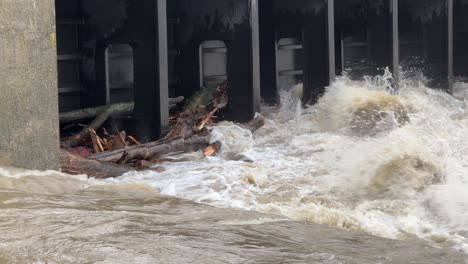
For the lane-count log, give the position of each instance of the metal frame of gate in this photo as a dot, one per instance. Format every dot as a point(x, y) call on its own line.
point(151, 52)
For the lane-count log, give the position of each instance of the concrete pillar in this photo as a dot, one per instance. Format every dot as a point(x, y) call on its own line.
point(29, 136)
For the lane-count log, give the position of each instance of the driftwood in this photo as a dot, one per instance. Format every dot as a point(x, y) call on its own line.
point(102, 165)
point(85, 132)
point(117, 109)
point(118, 141)
point(77, 165)
point(159, 148)
point(199, 111)
point(188, 133)
point(97, 146)
point(87, 113)
point(151, 149)
point(212, 149)
point(254, 124)
point(174, 101)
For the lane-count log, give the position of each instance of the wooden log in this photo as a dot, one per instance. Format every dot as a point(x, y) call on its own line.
point(254, 124)
point(77, 165)
point(118, 141)
point(133, 140)
point(117, 109)
point(148, 150)
point(158, 148)
point(206, 119)
point(97, 166)
point(87, 113)
point(198, 111)
point(176, 100)
point(98, 122)
point(212, 149)
point(97, 146)
point(84, 133)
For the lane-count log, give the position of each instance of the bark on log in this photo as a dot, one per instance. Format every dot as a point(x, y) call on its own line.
point(254, 124)
point(97, 147)
point(153, 149)
point(84, 133)
point(118, 109)
point(107, 112)
point(77, 165)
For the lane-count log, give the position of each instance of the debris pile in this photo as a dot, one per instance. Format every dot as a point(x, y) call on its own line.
point(96, 152)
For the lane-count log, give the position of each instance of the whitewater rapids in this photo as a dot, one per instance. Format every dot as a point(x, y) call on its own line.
point(405, 180)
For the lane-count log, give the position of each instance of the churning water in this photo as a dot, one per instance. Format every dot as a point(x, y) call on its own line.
point(365, 158)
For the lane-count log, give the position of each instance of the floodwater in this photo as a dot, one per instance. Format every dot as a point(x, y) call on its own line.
point(367, 175)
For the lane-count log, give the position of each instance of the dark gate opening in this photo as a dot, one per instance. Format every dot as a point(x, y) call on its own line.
point(210, 41)
point(70, 55)
point(460, 46)
point(294, 47)
point(108, 53)
point(363, 37)
point(119, 73)
point(424, 40)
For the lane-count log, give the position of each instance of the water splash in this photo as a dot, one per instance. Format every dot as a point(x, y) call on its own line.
point(397, 171)
point(291, 103)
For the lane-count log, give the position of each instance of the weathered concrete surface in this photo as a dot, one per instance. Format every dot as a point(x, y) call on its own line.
point(29, 136)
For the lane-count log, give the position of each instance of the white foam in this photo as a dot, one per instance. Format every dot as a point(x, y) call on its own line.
point(407, 180)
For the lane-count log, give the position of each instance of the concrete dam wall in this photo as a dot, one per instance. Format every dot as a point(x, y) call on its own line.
point(29, 132)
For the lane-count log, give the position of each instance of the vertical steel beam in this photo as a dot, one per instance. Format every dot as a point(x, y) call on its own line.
point(107, 76)
point(342, 50)
point(395, 41)
point(162, 57)
point(331, 39)
point(450, 45)
point(254, 24)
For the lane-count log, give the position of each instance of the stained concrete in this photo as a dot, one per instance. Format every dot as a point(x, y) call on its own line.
point(29, 136)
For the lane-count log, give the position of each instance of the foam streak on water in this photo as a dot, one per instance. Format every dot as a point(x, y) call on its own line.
point(364, 158)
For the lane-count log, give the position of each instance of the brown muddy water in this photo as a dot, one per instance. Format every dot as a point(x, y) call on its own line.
point(53, 219)
point(365, 176)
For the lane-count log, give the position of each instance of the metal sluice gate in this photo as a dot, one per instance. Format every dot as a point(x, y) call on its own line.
point(146, 51)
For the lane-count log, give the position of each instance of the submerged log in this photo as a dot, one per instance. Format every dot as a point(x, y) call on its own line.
point(77, 165)
point(254, 124)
